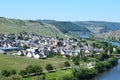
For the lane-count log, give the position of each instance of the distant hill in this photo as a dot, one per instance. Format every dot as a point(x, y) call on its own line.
point(46, 20)
point(99, 27)
point(68, 27)
point(111, 35)
point(14, 26)
point(102, 29)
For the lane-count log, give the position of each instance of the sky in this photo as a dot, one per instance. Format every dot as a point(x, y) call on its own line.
point(62, 10)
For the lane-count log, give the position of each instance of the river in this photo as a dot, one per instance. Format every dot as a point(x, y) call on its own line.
point(112, 74)
point(115, 43)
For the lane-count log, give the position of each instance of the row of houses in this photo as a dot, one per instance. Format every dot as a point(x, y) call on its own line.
point(36, 46)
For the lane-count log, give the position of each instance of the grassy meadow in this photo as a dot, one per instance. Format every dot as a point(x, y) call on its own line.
point(18, 63)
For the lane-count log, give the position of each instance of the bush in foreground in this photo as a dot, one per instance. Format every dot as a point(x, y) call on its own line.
point(22, 73)
point(49, 67)
point(5, 73)
point(66, 64)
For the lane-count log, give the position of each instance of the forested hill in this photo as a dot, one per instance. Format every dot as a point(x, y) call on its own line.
point(99, 26)
point(68, 27)
point(102, 29)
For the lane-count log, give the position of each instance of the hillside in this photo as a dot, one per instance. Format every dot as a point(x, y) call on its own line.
point(60, 28)
point(111, 35)
point(30, 26)
point(99, 27)
point(68, 27)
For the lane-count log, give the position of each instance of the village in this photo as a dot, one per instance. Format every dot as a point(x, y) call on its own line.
point(51, 55)
point(36, 46)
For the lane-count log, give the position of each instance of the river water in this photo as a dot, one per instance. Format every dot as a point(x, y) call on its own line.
point(115, 43)
point(112, 74)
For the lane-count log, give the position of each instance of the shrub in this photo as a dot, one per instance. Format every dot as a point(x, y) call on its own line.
point(30, 69)
point(5, 73)
point(76, 62)
point(38, 69)
point(49, 67)
point(66, 64)
point(84, 73)
point(22, 73)
point(12, 72)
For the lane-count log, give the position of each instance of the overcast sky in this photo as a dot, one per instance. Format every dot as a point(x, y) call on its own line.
point(62, 10)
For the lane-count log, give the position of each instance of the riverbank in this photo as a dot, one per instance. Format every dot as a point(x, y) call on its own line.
point(83, 73)
point(112, 74)
point(116, 43)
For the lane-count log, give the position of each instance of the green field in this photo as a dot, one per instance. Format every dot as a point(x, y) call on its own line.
point(18, 63)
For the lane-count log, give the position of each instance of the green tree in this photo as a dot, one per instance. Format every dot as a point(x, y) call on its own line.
point(102, 56)
point(80, 73)
point(107, 65)
point(38, 69)
point(92, 73)
point(94, 45)
point(22, 73)
point(118, 50)
point(83, 73)
point(30, 69)
point(5, 73)
point(84, 58)
point(66, 64)
point(113, 61)
point(13, 72)
point(49, 67)
point(76, 62)
point(99, 66)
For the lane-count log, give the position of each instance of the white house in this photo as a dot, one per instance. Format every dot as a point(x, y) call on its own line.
point(87, 51)
point(33, 53)
point(29, 54)
point(62, 52)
